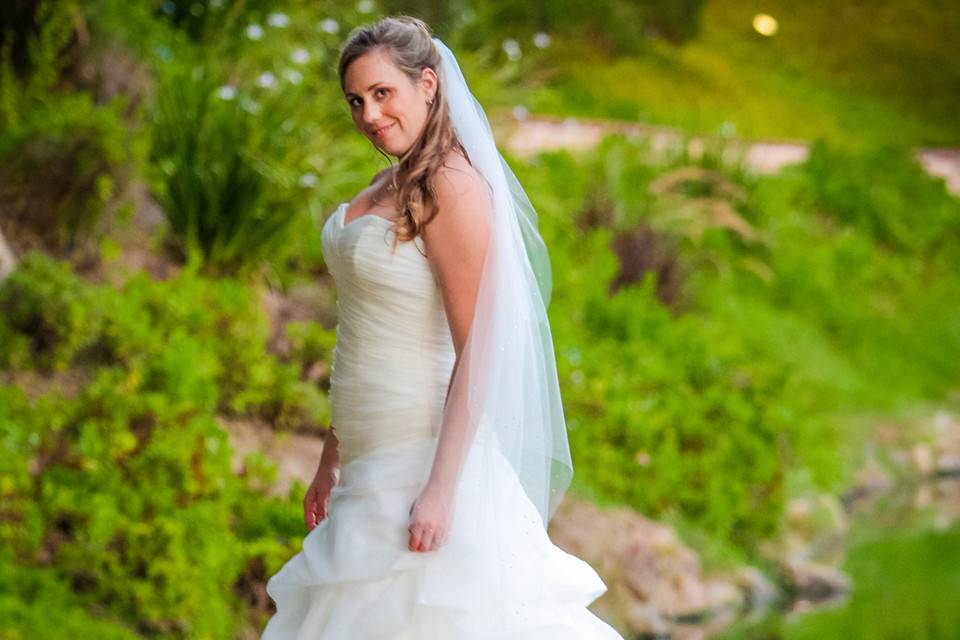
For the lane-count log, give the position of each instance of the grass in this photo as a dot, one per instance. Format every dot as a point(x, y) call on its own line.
point(854, 75)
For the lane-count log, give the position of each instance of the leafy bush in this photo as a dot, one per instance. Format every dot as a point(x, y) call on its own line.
point(28, 595)
point(201, 341)
point(61, 156)
point(211, 19)
point(713, 411)
point(43, 302)
point(243, 135)
point(617, 26)
point(879, 192)
point(119, 498)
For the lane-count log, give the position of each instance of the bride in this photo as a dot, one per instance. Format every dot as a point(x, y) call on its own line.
point(427, 517)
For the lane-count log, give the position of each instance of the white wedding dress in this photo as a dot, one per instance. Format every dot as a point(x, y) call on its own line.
point(356, 578)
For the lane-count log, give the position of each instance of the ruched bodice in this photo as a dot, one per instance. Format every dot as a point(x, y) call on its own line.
point(394, 352)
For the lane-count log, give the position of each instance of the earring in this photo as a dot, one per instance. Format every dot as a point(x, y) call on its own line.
point(430, 101)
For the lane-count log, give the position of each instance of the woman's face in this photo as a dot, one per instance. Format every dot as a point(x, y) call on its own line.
point(386, 105)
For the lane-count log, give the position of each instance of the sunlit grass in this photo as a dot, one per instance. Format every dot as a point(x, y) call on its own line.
point(852, 75)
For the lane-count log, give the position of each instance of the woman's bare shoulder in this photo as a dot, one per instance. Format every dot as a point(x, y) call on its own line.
point(457, 178)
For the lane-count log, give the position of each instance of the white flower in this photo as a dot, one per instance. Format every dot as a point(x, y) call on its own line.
point(512, 47)
point(250, 105)
point(520, 112)
point(541, 40)
point(254, 31)
point(277, 19)
point(329, 25)
point(216, 4)
point(292, 76)
point(300, 56)
point(267, 80)
point(308, 180)
point(227, 92)
point(365, 6)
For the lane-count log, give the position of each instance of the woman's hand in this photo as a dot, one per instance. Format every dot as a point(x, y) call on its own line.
point(317, 500)
point(430, 517)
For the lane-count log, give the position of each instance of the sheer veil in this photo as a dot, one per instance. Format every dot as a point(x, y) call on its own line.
point(503, 404)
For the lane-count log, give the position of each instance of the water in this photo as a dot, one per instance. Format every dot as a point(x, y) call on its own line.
point(903, 555)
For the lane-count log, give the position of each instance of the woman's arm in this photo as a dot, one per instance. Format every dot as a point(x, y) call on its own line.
point(330, 458)
point(456, 242)
point(317, 499)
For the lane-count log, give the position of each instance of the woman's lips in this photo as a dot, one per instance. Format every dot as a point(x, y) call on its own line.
point(381, 132)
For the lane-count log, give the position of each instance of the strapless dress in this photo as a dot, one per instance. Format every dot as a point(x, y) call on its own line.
point(355, 578)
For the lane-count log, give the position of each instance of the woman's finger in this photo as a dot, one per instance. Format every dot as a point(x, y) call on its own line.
point(414, 538)
point(310, 508)
point(426, 543)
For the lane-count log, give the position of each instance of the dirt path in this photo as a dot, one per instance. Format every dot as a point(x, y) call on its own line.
point(541, 133)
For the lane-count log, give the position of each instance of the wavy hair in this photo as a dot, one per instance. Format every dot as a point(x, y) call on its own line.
point(408, 42)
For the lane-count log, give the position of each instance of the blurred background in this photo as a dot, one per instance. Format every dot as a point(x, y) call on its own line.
point(753, 216)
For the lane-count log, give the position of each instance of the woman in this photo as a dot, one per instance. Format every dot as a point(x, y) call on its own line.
point(449, 456)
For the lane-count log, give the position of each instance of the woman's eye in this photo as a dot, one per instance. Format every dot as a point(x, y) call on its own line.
point(355, 102)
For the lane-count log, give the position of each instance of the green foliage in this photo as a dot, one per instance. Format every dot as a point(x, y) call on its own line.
point(44, 61)
point(43, 302)
point(242, 133)
point(818, 76)
point(211, 19)
point(708, 406)
point(61, 156)
point(878, 279)
point(879, 192)
point(28, 595)
point(619, 27)
point(121, 493)
point(134, 504)
point(666, 417)
point(221, 195)
point(200, 341)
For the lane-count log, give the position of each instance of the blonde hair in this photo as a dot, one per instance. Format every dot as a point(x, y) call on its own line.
point(409, 44)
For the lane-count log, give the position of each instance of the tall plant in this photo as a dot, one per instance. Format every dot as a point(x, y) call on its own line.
point(227, 168)
point(61, 154)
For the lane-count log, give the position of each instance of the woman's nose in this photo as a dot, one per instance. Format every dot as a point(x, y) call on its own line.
point(371, 112)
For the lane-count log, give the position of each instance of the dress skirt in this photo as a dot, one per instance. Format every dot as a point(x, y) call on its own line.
point(498, 577)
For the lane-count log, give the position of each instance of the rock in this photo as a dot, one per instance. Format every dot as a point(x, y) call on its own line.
point(815, 582)
point(946, 447)
point(654, 581)
point(922, 457)
point(7, 260)
point(757, 589)
point(815, 522)
point(295, 455)
point(872, 477)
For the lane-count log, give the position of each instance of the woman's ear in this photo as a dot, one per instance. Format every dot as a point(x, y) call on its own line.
point(428, 82)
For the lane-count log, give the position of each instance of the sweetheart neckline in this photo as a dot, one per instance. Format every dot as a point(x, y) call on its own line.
point(343, 214)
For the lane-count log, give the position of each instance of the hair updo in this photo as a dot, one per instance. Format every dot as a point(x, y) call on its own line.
point(408, 43)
